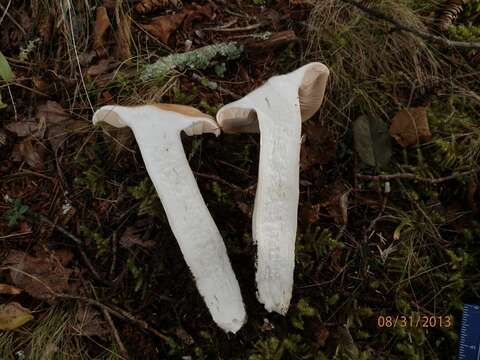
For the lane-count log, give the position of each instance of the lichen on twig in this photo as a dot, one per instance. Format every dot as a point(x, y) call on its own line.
point(198, 59)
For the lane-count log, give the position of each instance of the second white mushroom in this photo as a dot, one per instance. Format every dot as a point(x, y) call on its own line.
point(277, 110)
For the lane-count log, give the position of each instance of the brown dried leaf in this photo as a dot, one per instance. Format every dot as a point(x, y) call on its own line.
point(24, 128)
point(88, 322)
point(197, 12)
point(45, 26)
point(130, 237)
point(103, 66)
point(13, 315)
point(122, 36)
point(319, 147)
point(148, 6)
point(102, 23)
point(9, 290)
point(409, 126)
point(52, 113)
point(40, 276)
point(163, 26)
point(58, 122)
point(29, 152)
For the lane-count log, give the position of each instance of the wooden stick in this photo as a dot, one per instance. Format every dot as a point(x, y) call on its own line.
point(421, 34)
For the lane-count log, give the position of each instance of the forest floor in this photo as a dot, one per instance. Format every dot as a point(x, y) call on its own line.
point(386, 252)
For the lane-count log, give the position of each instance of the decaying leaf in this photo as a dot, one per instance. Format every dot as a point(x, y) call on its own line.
point(162, 27)
point(30, 152)
point(25, 128)
point(123, 36)
point(409, 126)
point(102, 23)
point(58, 122)
point(130, 237)
point(319, 147)
point(89, 322)
point(148, 6)
point(13, 315)
point(52, 113)
point(103, 66)
point(9, 290)
point(346, 343)
point(372, 141)
point(335, 207)
point(42, 275)
point(6, 72)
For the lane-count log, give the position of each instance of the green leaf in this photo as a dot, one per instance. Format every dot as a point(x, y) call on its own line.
point(6, 72)
point(372, 141)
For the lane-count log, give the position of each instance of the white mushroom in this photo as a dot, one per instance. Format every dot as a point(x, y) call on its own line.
point(157, 130)
point(277, 110)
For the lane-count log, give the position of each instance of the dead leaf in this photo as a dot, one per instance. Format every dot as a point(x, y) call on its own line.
point(148, 6)
point(163, 26)
point(40, 276)
point(410, 126)
point(319, 147)
point(336, 206)
point(29, 152)
point(24, 128)
point(103, 66)
point(371, 141)
point(184, 336)
point(322, 335)
point(45, 26)
point(130, 237)
point(89, 322)
point(346, 343)
point(123, 36)
point(102, 23)
point(13, 315)
point(59, 123)
point(197, 12)
point(9, 290)
point(52, 113)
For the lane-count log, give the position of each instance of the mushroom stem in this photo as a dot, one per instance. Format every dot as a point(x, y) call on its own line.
point(277, 110)
point(157, 133)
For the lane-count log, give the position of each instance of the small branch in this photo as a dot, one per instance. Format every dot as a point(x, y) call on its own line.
point(117, 312)
point(12, 19)
point(275, 41)
point(421, 34)
point(75, 239)
point(123, 349)
point(409, 176)
point(219, 180)
point(245, 28)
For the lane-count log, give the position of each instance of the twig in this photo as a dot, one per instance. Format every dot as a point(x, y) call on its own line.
point(117, 312)
point(422, 34)
point(5, 11)
point(75, 239)
point(244, 28)
point(214, 85)
point(123, 349)
point(219, 179)
point(12, 19)
point(409, 176)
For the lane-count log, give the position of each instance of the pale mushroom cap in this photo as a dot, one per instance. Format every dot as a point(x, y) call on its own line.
point(196, 123)
point(305, 85)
